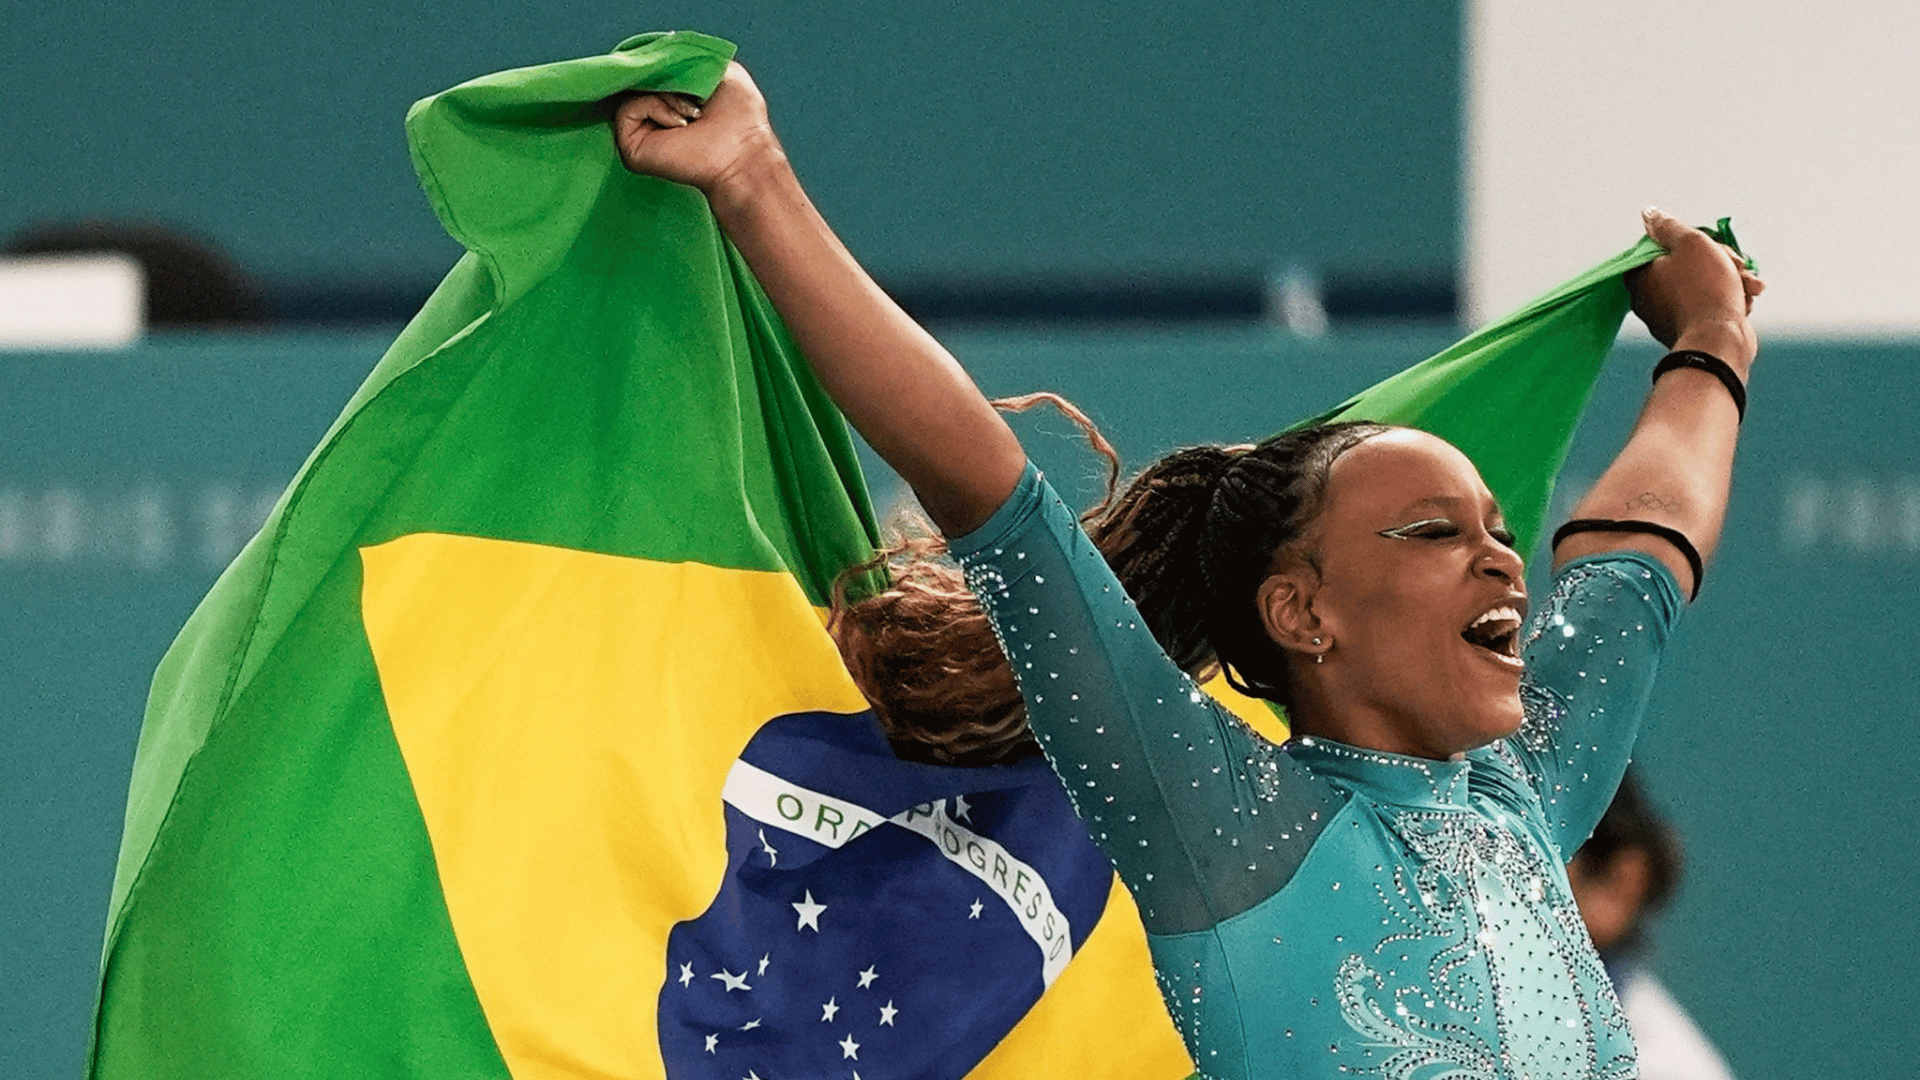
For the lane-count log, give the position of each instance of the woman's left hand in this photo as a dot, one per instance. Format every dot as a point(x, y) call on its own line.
point(675, 138)
point(1677, 468)
point(1699, 286)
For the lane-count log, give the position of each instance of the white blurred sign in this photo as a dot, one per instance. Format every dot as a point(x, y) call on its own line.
point(1800, 120)
point(71, 302)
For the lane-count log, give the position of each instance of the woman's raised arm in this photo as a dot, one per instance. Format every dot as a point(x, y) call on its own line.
point(1677, 467)
point(899, 387)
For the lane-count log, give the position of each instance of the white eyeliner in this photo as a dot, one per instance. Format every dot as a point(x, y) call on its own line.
point(1401, 532)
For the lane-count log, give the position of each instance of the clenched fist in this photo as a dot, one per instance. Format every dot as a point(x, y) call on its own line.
point(675, 138)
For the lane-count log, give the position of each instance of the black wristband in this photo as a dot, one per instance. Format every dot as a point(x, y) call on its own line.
point(1672, 536)
point(1712, 365)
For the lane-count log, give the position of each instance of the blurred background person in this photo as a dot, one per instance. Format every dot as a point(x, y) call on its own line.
point(1622, 876)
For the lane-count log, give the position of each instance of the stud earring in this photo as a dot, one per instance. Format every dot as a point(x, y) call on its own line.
point(1319, 658)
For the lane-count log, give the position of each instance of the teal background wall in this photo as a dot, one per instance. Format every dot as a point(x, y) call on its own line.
point(1782, 740)
point(959, 139)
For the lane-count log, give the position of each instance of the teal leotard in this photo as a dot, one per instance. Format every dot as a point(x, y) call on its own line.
point(1322, 910)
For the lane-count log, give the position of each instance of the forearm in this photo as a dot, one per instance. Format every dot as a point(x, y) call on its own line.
point(898, 386)
point(1677, 467)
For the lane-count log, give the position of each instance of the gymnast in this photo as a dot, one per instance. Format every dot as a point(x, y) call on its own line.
point(1383, 895)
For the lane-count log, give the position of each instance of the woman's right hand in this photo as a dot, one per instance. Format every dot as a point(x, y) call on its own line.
point(1700, 287)
point(904, 392)
point(674, 138)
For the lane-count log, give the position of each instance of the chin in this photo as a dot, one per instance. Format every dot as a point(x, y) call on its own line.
point(1511, 717)
point(1493, 722)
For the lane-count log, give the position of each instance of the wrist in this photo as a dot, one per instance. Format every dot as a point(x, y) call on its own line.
point(1728, 337)
point(759, 170)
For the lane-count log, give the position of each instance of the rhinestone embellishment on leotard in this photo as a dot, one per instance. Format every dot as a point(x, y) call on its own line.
point(1455, 951)
point(1491, 904)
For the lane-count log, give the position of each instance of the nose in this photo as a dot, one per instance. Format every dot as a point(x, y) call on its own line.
point(1502, 562)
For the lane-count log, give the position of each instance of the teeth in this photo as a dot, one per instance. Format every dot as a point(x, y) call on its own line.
point(1502, 612)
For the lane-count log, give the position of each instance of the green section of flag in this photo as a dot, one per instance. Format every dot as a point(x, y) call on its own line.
point(1510, 395)
point(599, 372)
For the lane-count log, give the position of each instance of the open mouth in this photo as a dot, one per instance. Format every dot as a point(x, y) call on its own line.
point(1497, 631)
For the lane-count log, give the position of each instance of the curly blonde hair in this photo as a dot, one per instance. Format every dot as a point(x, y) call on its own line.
point(921, 650)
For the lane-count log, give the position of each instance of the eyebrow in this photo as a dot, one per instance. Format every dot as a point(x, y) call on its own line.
point(1449, 502)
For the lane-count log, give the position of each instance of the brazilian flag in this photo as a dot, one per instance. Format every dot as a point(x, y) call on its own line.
point(514, 746)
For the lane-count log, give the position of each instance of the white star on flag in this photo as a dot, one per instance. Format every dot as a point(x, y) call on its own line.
point(764, 961)
point(773, 855)
point(974, 911)
point(712, 1041)
point(751, 1075)
point(827, 1010)
point(732, 981)
point(809, 913)
point(960, 809)
point(887, 1013)
point(866, 977)
point(751, 1024)
point(849, 1048)
point(686, 974)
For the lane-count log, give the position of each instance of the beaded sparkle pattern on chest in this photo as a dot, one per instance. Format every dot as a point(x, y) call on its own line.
point(1499, 937)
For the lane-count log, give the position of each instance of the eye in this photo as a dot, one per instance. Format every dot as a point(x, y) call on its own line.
point(1502, 534)
point(1430, 529)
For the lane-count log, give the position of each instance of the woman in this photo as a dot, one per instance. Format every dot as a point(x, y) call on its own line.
point(1383, 895)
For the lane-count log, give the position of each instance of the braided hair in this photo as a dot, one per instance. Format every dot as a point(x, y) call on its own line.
point(1190, 538)
point(1193, 536)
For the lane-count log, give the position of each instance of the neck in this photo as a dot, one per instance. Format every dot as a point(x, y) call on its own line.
point(1319, 711)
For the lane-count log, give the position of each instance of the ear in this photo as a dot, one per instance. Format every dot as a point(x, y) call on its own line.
point(1285, 601)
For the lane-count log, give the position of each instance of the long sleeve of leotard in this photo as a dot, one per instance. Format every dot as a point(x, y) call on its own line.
point(1201, 816)
point(1592, 650)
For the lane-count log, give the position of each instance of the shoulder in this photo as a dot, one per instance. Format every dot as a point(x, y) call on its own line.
point(1597, 599)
